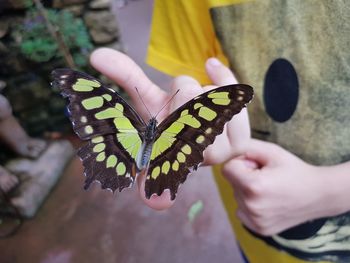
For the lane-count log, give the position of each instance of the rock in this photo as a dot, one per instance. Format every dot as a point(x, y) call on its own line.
point(74, 2)
point(76, 10)
point(102, 26)
point(3, 48)
point(38, 176)
point(4, 27)
point(100, 4)
point(64, 3)
point(117, 45)
point(16, 4)
point(27, 91)
point(2, 85)
point(57, 4)
point(11, 63)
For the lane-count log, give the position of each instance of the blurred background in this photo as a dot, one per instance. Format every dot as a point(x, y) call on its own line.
point(45, 215)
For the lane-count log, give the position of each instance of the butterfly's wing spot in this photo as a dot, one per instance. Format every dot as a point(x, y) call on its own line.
point(83, 119)
point(97, 139)
point(88, 129)
point(165, 167)
point(204, 112)
point(155, 172)
point(181, 157)
point(186, 149)
point(99, 147)
point(112, 161)
point(208, 131)
point(121, 169)
point(107, 97)
point(84, 85)
point(220, 98)
point(218, 94)
point(93, 102)
point(200, 139)
point(240, 92)
point(175, 166)
point(101, 157)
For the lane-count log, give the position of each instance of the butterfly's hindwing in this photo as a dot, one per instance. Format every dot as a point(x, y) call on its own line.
point(106, 163)
point(184, 135)
point(99, 113)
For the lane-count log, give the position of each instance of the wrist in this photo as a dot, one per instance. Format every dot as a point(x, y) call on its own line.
point(333, 186)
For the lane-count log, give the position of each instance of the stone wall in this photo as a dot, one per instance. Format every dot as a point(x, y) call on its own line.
point(25, 81)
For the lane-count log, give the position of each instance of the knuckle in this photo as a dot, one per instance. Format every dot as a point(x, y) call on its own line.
point(228, 168)
point(225, 169)
point(253, 208)
point(256, 187)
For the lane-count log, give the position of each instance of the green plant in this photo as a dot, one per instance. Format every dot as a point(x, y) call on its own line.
point(37, 44)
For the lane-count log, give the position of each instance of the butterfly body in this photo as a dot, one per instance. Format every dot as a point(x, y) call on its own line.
point(120, 144)
point(144, 155)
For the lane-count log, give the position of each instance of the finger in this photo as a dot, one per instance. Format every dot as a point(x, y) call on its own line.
point(188, 89)
point(238, 172)
point(155, 202)
point(245, 219)
point(212, 156)
point(262, 152)
point(238, 132)
point(218, 73)
point(126, 73)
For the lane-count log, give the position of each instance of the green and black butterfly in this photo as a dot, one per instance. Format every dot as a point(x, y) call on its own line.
point(121, 144)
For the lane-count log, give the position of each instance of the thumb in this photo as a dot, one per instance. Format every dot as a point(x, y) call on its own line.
point(219, 74)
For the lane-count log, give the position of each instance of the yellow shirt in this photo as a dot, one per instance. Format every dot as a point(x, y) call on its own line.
point(258, 39)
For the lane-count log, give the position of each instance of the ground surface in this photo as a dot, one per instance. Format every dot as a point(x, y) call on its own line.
point(95, 226)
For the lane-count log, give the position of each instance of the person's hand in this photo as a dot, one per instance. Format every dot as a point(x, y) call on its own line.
point(120, 68)
point(275, 190)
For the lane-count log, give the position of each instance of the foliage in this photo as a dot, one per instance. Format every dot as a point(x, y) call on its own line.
point(38, 45)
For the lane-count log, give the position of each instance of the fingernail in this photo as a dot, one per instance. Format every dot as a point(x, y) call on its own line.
point(214, 62)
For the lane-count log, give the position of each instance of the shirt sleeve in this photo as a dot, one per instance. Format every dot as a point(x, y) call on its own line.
point(182, 38)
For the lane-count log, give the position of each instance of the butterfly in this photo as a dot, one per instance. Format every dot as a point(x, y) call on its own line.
point(120, 144)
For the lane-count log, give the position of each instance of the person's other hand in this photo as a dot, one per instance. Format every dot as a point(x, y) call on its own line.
point(274, 189)
point(127, 74)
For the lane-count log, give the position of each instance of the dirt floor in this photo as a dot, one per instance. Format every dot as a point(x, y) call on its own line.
point(96, 226)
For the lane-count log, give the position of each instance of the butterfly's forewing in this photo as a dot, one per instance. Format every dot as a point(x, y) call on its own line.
point(110, 125)
point(184, 135)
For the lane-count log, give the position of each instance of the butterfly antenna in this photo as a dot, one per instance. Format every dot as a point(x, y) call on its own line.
point(166, 104)
point(138, 93)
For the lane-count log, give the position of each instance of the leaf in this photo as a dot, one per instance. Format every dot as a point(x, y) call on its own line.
point(195, 210)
